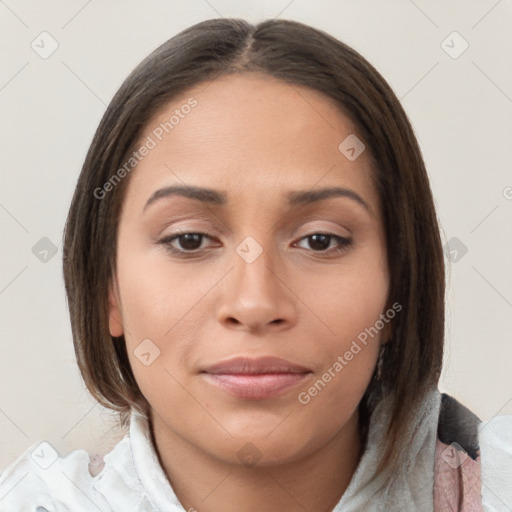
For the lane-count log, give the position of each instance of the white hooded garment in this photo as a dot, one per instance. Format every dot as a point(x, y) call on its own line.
point(132, 479)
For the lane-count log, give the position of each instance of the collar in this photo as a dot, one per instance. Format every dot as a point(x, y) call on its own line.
point(148, 467)
point(409, 486)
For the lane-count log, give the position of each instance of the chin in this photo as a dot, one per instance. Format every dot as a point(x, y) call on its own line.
point(262, 449)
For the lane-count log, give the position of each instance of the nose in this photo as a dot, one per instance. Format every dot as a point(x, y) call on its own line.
point(256, 297)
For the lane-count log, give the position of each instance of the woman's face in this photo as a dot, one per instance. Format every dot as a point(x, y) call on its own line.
point(290, 263)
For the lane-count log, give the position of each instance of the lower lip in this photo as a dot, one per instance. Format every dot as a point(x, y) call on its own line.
point(256, 386)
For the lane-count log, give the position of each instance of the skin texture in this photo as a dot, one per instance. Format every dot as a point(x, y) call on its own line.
point(255, 138)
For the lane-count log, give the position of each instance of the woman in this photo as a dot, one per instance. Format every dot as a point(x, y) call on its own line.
point(256, 284)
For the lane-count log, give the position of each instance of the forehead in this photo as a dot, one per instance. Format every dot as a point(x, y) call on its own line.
point(253, 135)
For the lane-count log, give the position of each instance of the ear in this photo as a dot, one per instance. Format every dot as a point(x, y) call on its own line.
point(115, 320)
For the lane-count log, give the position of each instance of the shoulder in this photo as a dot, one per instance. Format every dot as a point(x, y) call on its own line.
point(42, 481)
point(495, 439)
point(473, 458)
point(39, 475)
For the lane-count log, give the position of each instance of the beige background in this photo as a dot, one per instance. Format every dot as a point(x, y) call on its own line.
point(461, 109)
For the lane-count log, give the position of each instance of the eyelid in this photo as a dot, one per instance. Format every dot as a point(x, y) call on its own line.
point(333, 229)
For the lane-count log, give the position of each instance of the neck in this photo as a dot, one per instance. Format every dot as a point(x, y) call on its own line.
point(205, 483)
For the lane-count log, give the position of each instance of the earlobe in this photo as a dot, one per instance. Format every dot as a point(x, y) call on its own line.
point(115, 320)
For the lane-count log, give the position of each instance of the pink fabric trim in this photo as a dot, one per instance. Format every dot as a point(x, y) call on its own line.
point(457, 480)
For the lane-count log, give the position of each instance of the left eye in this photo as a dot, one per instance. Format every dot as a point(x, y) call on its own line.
point(319, 242)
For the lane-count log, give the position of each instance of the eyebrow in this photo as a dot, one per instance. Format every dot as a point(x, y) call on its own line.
point(218, 197)
point(205, 195)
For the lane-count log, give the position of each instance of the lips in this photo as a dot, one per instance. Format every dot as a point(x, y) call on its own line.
point(255, 379)
point(245, 365)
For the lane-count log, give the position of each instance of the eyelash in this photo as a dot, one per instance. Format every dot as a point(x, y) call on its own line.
point(344, 243)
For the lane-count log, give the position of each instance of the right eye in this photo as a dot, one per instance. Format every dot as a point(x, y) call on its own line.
point(184, 243)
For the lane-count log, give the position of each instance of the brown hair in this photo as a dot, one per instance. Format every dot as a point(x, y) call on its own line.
point(300, 55)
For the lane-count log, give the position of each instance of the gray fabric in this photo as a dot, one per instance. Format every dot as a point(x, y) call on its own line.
point(411, 485)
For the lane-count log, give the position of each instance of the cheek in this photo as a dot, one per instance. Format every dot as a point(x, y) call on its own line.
point(157, 296)
point(348, 298)
point(163, 310)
